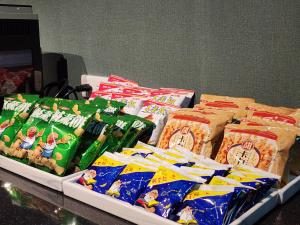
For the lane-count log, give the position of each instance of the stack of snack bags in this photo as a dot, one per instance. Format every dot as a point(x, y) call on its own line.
point(152, 104)
point(178, 184)
point(56, 135)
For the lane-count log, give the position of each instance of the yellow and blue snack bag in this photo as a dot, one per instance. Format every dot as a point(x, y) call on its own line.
point(102, 174)
point(206, 206)
point(131, 182)
point(136, 152)
point(141, 145)
point(167, 189)
point(242, 196)
point(203, 173)
point(220, 169)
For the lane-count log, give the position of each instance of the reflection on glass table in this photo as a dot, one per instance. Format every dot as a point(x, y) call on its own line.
point(25, 202)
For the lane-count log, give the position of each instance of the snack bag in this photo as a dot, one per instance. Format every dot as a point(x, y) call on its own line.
point(157, 113)
point(267, 108)
point(92, 140)
point(232, 104)
point(133, 103)
point(243, 196)
point(108, 107)
point(34, 128)
point(15, 111)
point(167, 97)
point(220, 169)
point(111, 88)
point(139, 129)
point(131, 182)
point(115, 79)
point(102, 174)
point(193, 131)
point(136, 152)
point(141, 145)
point(56, 148)
point(274, 119)
point(188, 94)
point(206, 174)
point(266, 148)
point(167, 188)
point(141, 91)
point(207, 205)
point(102, 94)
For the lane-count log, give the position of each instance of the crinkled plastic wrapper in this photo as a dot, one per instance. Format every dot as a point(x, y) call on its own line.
point(166, 190)
point(208, 205)
point(266, 148)
point(103, 173)
point(132, 181)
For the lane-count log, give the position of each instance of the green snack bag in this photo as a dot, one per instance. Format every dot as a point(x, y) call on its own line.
point(16, 109)
point(107, 106)
point(58, 145)
point(139, 128)
point(94, 130)
point(108, 140)
point(33, 128)
point(97, 132)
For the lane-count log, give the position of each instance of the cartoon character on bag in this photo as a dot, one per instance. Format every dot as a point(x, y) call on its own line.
point(114, 190)
point(47, 148)
point(87, 179)
point(26, 142)
point(186, 216)
point(148, 201)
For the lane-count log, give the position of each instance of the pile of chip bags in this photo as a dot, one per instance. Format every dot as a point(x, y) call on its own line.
point(58, 135)
point(178, 184)
point(152, 104)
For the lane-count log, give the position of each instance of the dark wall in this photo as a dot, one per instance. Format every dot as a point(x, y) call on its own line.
point(238, 48)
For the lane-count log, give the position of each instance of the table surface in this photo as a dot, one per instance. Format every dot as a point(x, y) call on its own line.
point(24, 202)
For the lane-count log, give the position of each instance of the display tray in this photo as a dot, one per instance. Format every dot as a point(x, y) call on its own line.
point(34, 174)
point(289, 190)
point(138, 215)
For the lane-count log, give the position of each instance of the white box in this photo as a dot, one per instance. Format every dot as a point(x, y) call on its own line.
point(289, 190)
point(39, 176)
point(138, 215)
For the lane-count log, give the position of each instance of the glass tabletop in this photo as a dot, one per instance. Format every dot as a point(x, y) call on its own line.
point(28, 203)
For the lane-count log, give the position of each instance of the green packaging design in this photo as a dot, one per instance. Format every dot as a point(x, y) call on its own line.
point(16, 109)
point(96, 134)
point(34, 128)
point(57, 146)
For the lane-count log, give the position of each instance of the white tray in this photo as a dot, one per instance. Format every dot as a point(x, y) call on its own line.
point(39, 176)
point(289, 190)
point(34, 189)
point(138, 215)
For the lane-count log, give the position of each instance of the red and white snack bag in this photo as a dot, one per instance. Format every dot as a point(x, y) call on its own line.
point(111, 88)
point(156, 112)
point(143, 91)
point(115, 79)
point(102, 94)
point(188, 94)
point(168, 97)
point(133, 103)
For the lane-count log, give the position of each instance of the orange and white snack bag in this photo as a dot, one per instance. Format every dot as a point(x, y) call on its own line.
point(102, 94)
point(133, 103)
point(232, 104)
point(275, 119)
point(193, 131)
point(115, 79)
point(267, 108)
point(263, 147)
point(111, 88)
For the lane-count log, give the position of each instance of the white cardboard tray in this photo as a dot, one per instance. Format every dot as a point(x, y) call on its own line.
point(138, 215)
point(39, 176)
point(289, 190)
